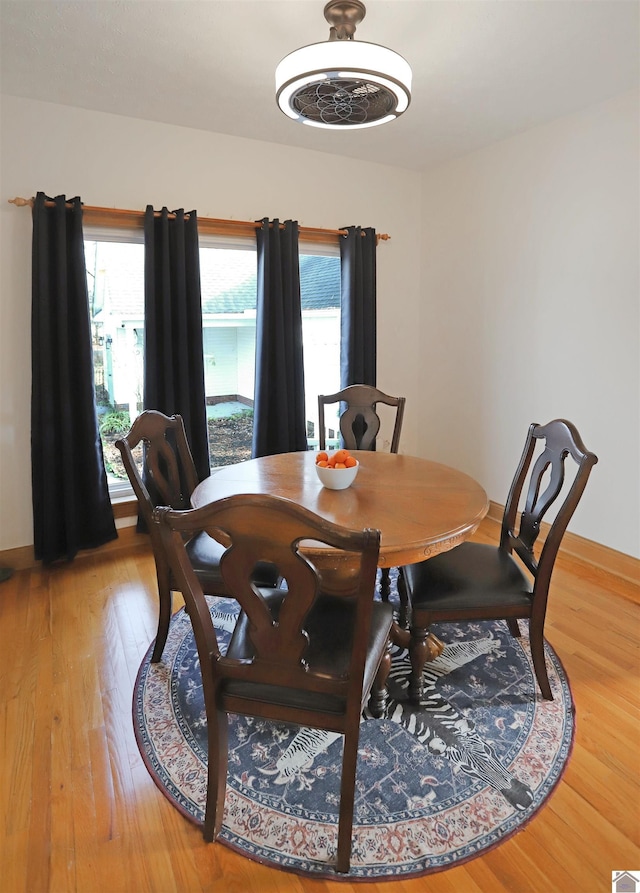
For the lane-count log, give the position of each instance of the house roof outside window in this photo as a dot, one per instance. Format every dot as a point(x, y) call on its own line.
point(227, 288)
point(319, 286)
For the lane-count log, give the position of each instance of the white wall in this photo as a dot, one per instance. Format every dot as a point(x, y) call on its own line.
point(127, 163)
point(516, 301)
point(531, 307)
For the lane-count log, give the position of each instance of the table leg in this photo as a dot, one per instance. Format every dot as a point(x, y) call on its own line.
point(404, 614)
point(423, 646)
point(379, 695)
point(385, 584)
point(402, 638)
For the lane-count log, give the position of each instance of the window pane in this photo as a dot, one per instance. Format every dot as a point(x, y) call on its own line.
point(320, 294)
point(228, 285)
point(115, 279)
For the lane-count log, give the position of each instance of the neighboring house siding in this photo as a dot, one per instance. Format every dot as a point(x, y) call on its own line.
point(220, 361)
point(125, 364)
point(321, 357)
point(246, 361)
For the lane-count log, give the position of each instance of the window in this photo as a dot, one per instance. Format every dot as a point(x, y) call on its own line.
point(115, 275)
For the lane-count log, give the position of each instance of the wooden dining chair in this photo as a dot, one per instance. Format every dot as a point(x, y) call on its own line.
point(511, 581)
point(359, 427)
point(360, 422)
point(298, 654)
point(166, 475)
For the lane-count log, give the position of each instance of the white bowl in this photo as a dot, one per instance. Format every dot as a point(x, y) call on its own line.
point(337, 478)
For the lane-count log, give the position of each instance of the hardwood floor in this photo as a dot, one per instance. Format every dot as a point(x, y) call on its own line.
point(79, 812)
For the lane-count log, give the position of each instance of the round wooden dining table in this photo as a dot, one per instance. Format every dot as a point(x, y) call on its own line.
point(420, 507)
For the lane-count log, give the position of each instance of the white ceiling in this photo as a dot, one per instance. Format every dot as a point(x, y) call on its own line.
point(484, 70)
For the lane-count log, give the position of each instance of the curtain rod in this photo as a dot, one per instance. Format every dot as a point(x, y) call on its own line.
point(207, 225)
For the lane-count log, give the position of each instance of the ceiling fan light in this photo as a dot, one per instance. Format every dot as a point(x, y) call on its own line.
point(343, 84)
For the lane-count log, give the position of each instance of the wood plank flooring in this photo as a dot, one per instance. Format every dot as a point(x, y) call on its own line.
point(79, 812)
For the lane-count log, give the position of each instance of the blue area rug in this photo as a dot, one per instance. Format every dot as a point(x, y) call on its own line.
point(435, 786)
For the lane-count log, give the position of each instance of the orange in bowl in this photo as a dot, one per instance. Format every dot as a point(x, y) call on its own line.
point(337, 475)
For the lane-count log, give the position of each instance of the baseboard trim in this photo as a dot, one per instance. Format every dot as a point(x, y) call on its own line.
point(23, 558)
point(610, 560)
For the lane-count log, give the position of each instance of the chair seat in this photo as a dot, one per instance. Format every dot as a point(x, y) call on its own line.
point(472, 575)
point(205, 553)
point(330, 627)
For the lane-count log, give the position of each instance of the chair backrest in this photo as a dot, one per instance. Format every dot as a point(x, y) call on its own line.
point(168, 476)
point(544, 478)
point(268, 528)
point(360, 423)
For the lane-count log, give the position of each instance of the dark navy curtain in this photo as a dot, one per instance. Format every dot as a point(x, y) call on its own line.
point(71, 505)
point(279, 423)
point(173, 349)
point(358, 307)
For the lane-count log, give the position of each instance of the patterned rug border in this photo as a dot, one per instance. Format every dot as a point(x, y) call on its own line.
point(284, 863)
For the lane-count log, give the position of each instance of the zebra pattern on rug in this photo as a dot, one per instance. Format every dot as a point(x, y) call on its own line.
point(436, 724)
